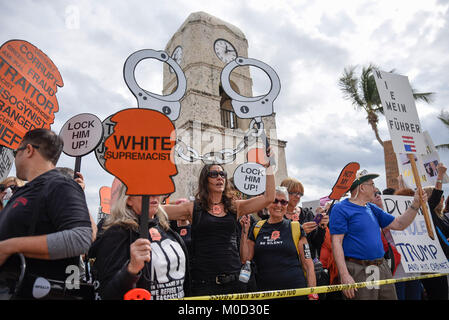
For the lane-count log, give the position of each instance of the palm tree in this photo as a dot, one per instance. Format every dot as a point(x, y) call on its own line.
point(444, 117)
point(364, 95)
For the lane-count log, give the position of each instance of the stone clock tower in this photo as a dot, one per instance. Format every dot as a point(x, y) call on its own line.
point(202, 46)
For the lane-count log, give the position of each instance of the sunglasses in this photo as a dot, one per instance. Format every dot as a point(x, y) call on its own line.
point(215, 173)
point(14, 152)
point(296, 194)
point(377, 193)
point(283, 202)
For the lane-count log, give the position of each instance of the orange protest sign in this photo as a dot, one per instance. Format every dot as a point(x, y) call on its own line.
point(105, 200)
point(257, 155)
point(137, 294)
point(28, 85)
point(140, 151)
point(344, 181)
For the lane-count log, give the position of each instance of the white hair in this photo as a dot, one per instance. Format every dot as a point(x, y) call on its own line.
point(283, 191)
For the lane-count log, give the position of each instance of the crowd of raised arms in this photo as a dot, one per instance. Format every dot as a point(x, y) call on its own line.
point(219, 243)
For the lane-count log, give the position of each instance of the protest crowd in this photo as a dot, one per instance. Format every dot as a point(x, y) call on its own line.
point(219, 243)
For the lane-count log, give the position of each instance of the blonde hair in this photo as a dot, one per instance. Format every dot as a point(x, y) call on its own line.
point(122, 214)
point(17, 181)
point(292, 185)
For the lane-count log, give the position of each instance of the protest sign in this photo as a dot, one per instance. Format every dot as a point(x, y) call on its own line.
point(6, 161)
point(81, 134)
point(344, 181)
point(311, 205)
point(108, 128)
point(419, 253)
point(139, 151)
point(425, 163)
point(250, 178)
point(400, 112)
point(403, 122)
point(28, 85)
point(257, 155)
point(105, 200)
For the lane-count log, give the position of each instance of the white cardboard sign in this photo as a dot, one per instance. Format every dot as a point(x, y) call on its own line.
point(6, 161)
point(250, 178)
point(419, 253)
point(81, 134)
point(426, 165)
point(400, 112)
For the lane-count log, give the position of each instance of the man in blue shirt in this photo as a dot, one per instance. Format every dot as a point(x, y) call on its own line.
point(355, 225)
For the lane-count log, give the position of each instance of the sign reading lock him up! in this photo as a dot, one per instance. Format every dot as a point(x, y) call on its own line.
point(81, 135)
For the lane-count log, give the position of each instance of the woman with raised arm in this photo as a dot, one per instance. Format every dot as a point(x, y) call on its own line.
point(215, 263)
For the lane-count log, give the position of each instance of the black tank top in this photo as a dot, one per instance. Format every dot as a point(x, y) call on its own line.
point(215, 248)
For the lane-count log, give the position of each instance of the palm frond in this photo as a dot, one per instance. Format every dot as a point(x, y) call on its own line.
point(349, 85)
point(443, 147)
point(426, 97)
point(444, 117)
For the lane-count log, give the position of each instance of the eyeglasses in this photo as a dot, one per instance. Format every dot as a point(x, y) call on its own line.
point(14, 152)
point(296, 194)
point(215, 173)
point(282, 201)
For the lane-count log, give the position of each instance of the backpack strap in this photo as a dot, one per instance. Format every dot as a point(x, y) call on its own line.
point(257, 228)
point(296, 233)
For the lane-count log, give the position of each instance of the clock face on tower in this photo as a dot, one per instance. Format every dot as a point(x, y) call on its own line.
point(224, 50)
point(177, 56)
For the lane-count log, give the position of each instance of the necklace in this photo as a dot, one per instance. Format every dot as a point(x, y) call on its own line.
point(216, 208)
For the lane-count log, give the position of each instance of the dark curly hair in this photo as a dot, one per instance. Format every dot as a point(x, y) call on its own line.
point(202, 196)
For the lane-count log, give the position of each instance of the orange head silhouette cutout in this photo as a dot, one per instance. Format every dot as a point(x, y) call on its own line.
point(29, 84)
point(258, 155)
point(105, 199)
point(344, 181)
point(140, 151)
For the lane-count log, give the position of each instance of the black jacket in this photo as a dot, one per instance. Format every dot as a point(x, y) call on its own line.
point(111, 251)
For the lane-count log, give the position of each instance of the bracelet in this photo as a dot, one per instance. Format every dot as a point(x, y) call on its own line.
point(416, 209)
point(314, 296)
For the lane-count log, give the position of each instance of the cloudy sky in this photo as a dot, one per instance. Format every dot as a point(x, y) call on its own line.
point(308, 43)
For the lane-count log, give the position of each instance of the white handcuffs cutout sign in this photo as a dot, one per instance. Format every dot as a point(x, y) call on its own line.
point(251, 107)
point(169, 104)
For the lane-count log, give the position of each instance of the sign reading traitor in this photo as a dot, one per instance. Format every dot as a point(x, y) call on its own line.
point(400, 111)
point(419, 253)
point(28, 85)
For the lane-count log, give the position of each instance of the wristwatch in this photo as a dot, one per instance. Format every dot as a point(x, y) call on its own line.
point(313, 296)
point(439, 181)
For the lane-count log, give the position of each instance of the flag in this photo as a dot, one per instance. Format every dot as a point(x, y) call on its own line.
point(409, 144)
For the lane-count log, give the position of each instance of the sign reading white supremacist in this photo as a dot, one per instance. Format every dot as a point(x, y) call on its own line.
point(400, 111)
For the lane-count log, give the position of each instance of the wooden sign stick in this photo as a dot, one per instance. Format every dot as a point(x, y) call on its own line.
point(425, 212)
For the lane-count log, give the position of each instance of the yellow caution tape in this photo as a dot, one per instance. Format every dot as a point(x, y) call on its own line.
point(276, 294)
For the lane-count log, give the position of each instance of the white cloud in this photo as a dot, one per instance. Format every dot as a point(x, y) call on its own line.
point(307, 42)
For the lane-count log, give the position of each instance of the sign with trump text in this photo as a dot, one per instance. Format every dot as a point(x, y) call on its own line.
point(419, 253)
